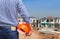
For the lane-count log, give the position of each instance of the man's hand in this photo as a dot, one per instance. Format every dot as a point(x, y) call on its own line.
point(20, 32)
point(24, 28)
point(29, 33)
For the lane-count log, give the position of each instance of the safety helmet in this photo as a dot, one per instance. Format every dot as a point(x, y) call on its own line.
point(24, 27)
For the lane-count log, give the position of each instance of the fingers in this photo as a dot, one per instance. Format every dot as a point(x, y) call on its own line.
point(29, 34)
point(20, 32)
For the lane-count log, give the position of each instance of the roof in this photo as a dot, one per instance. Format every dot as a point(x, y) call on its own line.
point(29, 17)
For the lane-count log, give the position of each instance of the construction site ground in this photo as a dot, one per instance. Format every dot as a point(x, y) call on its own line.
point(37, 35)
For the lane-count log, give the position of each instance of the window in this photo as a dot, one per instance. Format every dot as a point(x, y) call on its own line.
point(56, 25)
point(51, 20)
point(33, 21)
point(47, 20)
point(19, 20)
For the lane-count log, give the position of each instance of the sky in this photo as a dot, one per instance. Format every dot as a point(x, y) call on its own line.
point(43, 8)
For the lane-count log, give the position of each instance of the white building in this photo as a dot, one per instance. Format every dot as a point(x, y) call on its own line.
point(33, 20)
point(43, 22)
point(50, 22)
point(20, 19)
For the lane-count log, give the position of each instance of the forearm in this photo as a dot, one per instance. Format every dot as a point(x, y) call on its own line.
point(23, 12)
point(25, 17)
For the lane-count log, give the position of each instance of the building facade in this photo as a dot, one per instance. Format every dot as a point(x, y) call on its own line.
point(53, 22)
point(33, 21)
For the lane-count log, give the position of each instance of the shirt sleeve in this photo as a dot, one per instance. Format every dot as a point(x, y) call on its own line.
point(22, 11)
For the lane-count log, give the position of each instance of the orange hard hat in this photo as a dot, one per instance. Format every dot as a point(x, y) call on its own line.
point(24, 27)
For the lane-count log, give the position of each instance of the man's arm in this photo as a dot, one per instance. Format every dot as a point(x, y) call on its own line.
point(23, 12)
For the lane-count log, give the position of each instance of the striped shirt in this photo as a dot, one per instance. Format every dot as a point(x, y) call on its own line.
point(9, 10)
